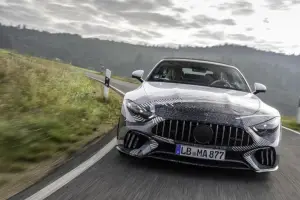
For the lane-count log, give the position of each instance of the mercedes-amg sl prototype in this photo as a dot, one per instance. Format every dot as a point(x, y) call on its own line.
point(201, 113)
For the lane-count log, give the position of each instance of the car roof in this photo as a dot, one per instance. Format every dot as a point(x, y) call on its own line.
point(197, 60)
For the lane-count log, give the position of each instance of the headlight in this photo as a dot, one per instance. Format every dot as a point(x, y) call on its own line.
point(140, 113)
point(267, 127)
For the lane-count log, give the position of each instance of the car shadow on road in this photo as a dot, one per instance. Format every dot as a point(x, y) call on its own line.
point(179, 169)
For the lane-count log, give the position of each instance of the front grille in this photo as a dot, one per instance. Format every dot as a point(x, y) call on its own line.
point(133, 140)
point(182, 131)
point(266, 157)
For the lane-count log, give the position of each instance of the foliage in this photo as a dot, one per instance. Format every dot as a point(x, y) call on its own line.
point(47, 108)
point(291, 123)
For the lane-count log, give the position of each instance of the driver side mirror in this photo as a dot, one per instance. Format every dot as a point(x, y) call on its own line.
point(138, 74)
point(258, 88)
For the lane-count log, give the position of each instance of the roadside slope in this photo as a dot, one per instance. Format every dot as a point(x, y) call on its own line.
point(48, 111)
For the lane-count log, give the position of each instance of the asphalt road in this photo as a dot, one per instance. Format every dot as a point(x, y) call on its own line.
point(117, 177)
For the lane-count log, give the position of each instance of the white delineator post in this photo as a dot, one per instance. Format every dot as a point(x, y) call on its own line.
point(106, 83)
point(298, 113)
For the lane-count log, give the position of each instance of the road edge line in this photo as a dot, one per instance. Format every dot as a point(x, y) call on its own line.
point(68, 177)
point(286, 128)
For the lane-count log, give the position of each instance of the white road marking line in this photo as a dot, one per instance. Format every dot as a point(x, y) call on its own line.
point(291, 130)
point(62, 181)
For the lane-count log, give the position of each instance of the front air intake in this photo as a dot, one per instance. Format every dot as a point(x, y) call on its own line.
point(266, 157)
point(134, 140)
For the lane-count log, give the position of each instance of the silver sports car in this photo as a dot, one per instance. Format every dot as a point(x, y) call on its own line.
point(201, 113)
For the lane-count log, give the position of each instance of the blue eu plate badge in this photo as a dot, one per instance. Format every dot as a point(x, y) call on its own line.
point(178, 148)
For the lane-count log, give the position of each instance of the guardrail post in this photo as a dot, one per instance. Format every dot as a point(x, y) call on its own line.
point(106, 83)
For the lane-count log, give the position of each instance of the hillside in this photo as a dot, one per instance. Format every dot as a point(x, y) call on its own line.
point(278, 71)
point(48, 111)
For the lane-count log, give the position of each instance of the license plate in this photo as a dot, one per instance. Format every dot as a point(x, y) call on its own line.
point(198, 152)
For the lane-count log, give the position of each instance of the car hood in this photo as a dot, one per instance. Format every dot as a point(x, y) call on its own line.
point(201, 98)
point(200, 103)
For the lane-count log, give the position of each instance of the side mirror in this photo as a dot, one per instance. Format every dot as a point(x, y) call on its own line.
point(258, 88)
point(138, 74)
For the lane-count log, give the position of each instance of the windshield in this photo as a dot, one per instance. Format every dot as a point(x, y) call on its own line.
point(195, 73)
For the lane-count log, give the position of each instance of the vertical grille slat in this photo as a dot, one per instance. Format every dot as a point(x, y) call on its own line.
point(272, 158)
point(242, 138)
point(216, 137)
point(176, 130)
point(163, 129)
point(182, 131)
point(223, 135)
point(170, 128)
point(128, 137)
point(267, 156)
point(262, 158)
point(131, 140)
point(135, 142)
point(190, 130)
point(229, 136)
point(236, 133)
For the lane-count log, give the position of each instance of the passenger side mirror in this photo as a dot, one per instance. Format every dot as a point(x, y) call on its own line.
point(138, 74)
point(258, 88)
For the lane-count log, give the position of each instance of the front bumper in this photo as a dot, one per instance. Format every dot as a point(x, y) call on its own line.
point(142, 144)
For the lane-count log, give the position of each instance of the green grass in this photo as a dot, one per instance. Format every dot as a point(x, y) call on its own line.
point(47, 109)
point(3, 182)
point(290, 122)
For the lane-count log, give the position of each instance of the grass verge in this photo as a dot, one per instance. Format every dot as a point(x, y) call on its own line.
point(290, 122)
point(48, 110)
